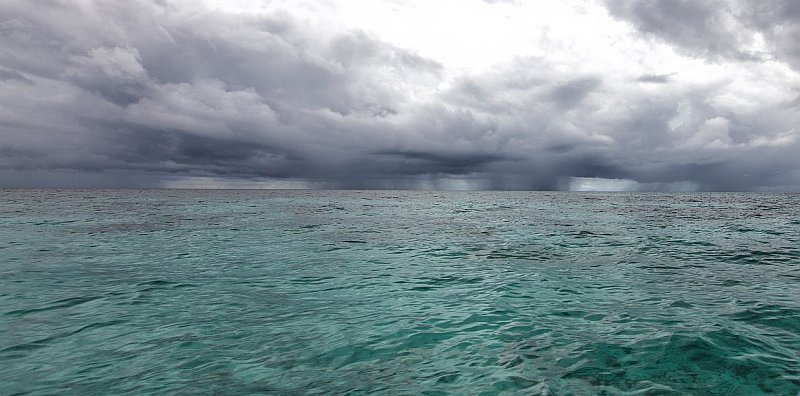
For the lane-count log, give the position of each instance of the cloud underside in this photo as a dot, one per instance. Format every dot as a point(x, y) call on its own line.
point(146, 93)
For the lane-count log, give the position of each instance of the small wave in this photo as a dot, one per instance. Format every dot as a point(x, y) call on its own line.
point(721, 360)
point(58, 304)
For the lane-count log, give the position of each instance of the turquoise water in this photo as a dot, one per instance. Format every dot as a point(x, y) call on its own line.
point(386, 292)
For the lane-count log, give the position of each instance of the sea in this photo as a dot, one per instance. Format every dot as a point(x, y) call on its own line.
point(248, 292)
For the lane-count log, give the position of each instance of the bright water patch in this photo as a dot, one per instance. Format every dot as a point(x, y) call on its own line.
point(385, 292)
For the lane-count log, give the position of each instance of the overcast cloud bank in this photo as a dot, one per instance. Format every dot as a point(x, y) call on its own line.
point(670, 95)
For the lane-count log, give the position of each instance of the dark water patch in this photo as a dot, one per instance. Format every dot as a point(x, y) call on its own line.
point(312, 280)
point(681, 304)
point(588, 234)
point(20, 350)
point(718, 362)
point(160, 284)
point(521, 254)
point(569, 314)
point(157, 283)
point(58, 304)
point(444, 253)
point(777, 316)
point(760, 257)
point(98, 325)
point(432, 283)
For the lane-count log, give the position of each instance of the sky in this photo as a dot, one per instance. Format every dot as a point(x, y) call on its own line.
point(633, 95)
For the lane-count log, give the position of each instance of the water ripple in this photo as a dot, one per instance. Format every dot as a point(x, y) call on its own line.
point(296, 292)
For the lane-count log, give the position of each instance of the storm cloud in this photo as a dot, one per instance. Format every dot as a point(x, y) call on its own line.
point(174, 93)
point(735, 29)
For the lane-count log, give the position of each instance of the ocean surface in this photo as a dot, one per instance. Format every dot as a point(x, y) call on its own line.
point(399, 293)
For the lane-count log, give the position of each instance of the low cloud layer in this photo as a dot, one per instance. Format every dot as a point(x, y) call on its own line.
point(669, 95)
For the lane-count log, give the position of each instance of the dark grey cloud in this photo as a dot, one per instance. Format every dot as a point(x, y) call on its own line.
point(700, 27)
point(421, 162)
point(718, 29)
point(145, 93)
point(676, 136)
point(150, 89)
point(653, 78)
